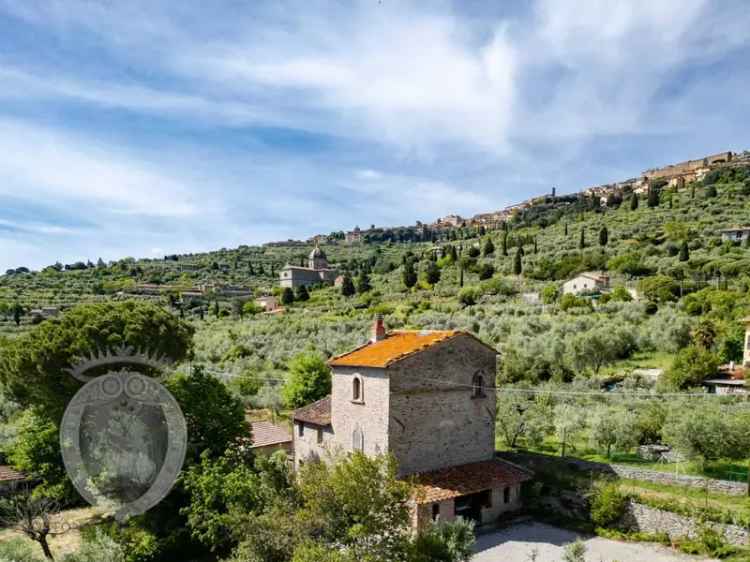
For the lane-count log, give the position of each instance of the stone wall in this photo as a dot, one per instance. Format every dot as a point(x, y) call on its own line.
point(639, 517)
point(369, 415)
point(312, 444)
point(435, 422)
point(530, 460)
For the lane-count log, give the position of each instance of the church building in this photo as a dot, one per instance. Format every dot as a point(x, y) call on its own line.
point(428, 398)
point(317, 272)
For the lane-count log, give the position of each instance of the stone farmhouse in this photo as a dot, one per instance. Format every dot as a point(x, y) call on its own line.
point(587, 282)
point(736, 234)
point(427, 398)
point(316, 272)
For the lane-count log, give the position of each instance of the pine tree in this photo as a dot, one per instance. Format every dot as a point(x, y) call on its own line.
point(582, 241)
point(603, 236)
point(347, 286)
point(302, 294)
point(489, 247)
point(711, 191)
point(634, 202)
point(684, 252)
point(517, 263)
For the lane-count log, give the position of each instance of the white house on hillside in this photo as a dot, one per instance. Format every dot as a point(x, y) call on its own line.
point(587, 282)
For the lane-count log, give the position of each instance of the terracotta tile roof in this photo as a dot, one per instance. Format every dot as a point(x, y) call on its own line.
point(317, 413)
point(9, 474)
point(455, 481)
point(265, 433)
point(396, 346)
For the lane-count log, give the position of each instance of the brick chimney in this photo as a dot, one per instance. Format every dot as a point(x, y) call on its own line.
point(378, 329)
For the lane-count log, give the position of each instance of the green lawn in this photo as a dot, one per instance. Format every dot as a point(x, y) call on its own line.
point(723, 469)
point(639, 360)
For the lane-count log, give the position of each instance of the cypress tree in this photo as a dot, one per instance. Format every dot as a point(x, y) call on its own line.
point(711, 191)
point(603, 236)
point(409, 275)
point(432, 273)
point(517, 263)
point(692, 190)
point(582, 241)
point(302, 294)
point(489, 247)
point(363, 282)
point(287, 296)
point(684, 252)
point(505, 243)
point(566, 229)
point(461, 275)
point(347, 286)
point(653, 197)
point(536, 246)
point(634, 202)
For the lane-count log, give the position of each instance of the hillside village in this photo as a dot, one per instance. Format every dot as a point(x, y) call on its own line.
point(569, 353)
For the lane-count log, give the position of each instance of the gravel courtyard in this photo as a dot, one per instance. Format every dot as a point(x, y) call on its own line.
point(515, 544)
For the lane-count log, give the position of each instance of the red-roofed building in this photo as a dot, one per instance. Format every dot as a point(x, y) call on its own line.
point(267, 438)
point(10, 479)
point(427, 398)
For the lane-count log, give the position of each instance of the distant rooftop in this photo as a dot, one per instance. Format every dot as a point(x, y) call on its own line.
point(265, 433)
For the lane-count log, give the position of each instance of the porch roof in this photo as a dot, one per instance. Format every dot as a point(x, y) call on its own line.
point(465, 479)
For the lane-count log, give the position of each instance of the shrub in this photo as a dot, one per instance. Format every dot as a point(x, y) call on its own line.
point(691, 366)
point(607, 503)
point(467, 296)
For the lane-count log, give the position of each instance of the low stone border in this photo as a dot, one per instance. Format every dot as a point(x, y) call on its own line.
point(529, 459)
point(639, 517)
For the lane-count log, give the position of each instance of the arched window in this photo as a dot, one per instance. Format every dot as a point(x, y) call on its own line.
point(357, 389)
point(477, 386)
point(358, 439)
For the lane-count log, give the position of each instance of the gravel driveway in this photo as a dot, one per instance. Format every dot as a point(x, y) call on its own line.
point(515, 544)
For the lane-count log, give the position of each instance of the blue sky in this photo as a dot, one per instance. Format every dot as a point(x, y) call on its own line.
point(141, 128)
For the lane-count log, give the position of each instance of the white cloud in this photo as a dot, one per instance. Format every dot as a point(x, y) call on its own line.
point(56, 165)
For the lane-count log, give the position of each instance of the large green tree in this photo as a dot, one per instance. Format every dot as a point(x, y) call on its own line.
point(33, 366)
point(309, 380)
point(215, 417)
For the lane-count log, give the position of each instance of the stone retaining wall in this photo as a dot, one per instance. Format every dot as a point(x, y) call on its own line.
point(639, 517)
point(631, 472)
